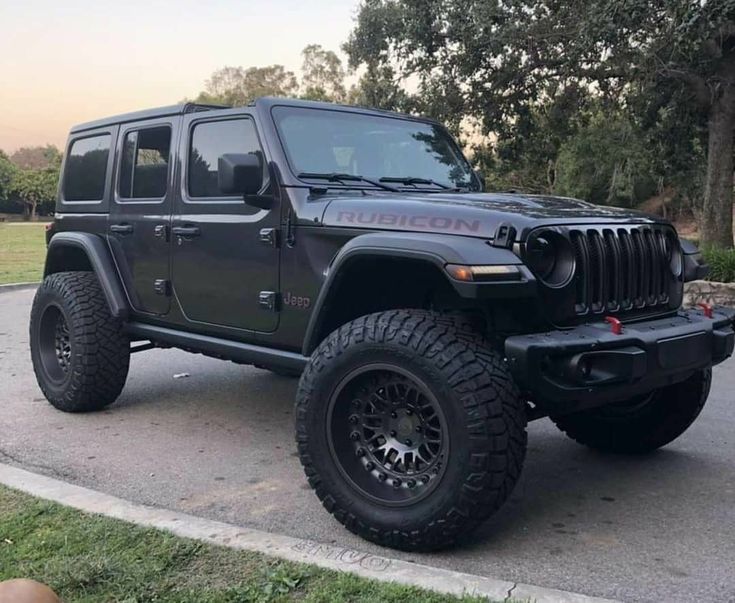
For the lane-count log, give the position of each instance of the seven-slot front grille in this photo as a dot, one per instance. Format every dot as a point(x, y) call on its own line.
point(621, 268)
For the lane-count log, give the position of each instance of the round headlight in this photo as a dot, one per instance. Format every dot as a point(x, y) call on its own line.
point(551, 258)
point(542, 256)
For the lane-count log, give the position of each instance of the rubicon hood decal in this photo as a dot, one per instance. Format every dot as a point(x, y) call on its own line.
point(406, 221)
point(477, 215)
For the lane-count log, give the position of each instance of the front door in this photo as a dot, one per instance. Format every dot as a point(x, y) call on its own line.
point(225, 267)
point(138, 227)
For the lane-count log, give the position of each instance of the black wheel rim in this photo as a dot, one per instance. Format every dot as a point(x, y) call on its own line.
point(55, 344)
point(388, 434)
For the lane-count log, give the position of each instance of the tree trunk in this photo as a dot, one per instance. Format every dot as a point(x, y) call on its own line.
point(33, 210)
point(716, 221)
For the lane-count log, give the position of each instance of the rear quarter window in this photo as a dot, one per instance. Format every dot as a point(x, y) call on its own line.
point(85, 170)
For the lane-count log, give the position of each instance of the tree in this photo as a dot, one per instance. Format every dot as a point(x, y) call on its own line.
point(7, 171)
point(238, 86)
point(606, 162)
point(378, 88)
point(36, 158)
point(322, 75)
point(35, 187)
point(498, 61)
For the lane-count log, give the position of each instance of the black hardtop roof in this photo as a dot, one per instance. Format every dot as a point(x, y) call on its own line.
point(265, 102)
point(145, 114)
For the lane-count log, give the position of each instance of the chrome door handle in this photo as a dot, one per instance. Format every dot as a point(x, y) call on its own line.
point(186, 231)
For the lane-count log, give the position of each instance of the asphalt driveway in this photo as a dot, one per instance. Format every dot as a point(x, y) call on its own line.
point(219, 444)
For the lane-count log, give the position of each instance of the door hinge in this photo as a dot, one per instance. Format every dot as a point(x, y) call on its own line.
point(505, 235)
point(269, 236)
point(268, 300)
point(162, 287)
point(290, 234)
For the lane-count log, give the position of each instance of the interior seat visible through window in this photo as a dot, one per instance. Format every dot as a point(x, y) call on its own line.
point(144, 168)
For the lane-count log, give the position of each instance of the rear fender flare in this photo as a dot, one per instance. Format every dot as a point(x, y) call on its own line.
point(100, 259)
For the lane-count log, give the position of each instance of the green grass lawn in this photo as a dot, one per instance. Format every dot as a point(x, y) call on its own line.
point(22, 252)
point(93, 559)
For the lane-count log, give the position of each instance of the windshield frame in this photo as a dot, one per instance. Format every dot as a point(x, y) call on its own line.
point(475, 186)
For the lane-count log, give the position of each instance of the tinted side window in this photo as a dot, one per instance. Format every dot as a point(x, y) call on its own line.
point(209, 141)
point(86, 169)
point(144, 166)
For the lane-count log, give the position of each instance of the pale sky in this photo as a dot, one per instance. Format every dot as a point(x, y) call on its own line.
point(67, 61)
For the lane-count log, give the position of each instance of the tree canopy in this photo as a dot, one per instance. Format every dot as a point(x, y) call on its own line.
point(7, 171)
point(239, 86)
point(322, 78)
point(323, 75)
point(29, 179)
point(36, 158)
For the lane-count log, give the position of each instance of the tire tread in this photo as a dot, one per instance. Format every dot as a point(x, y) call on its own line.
point(101, 349)
point(494, 418)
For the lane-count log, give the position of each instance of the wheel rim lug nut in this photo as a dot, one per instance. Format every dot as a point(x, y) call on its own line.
point(394, 415)
point(418, 428)
point(356, 403)
point(354, 436)
point(411, 483)
point(369, 465)
point(393, 433)
point(396, 483)
point(409, 412)
point(381, 477)
point(360, 452)
point(354, 419)
point(408, 443)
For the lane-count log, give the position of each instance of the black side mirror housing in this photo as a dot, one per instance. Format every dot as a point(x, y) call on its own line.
point(694, 267)
point(242, 174)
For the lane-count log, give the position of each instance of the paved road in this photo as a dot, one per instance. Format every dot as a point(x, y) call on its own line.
point(219, 444)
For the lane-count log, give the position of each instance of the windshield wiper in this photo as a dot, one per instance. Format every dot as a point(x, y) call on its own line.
point(342, 178)
point(415, 180)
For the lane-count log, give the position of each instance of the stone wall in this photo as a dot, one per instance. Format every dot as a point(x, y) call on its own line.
point(720, 294)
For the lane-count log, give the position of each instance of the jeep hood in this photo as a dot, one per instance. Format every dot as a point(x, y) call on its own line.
point(469, 214)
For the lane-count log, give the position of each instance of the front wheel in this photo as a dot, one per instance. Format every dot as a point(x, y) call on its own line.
point(409, 428)
point(643, 423)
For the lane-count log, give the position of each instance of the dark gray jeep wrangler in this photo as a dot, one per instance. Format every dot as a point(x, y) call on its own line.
point(430, 320)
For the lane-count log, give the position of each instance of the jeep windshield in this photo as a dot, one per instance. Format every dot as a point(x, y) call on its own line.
point(322, 144)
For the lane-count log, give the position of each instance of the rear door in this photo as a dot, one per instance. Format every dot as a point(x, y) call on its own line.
point(224, 251)
point(140, 213)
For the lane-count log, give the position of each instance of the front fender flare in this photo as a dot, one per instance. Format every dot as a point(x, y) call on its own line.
point(100, 260)
point(437, 249)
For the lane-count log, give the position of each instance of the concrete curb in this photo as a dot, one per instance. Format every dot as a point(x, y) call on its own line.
point(18, 286)
point(284, 547)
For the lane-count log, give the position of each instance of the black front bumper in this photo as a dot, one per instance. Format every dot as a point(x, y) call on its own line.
point(568, 370)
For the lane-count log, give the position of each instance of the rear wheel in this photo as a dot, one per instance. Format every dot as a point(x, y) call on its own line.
point(410, 428)
point(80, 354)
point(643, 423)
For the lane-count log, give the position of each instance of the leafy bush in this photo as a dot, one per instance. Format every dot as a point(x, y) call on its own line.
point(721, 264)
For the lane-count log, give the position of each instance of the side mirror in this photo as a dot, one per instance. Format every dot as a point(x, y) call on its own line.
point(481, 179)
point(693, 265)
point(242, 174)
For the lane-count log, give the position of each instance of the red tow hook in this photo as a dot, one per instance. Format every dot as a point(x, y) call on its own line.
point(615, 325)
point(708, 310)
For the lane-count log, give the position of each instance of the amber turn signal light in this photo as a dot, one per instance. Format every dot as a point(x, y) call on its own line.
point(483, 273)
